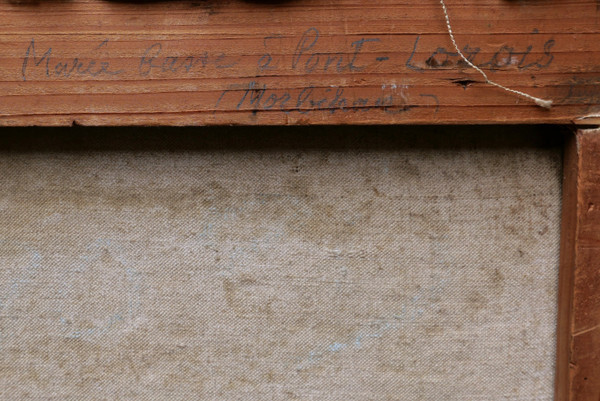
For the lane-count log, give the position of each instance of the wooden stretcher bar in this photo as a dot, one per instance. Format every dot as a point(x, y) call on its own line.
point(94, 62)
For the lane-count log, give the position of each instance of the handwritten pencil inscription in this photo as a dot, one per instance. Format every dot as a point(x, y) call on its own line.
point(315, 59)
point(48, 65)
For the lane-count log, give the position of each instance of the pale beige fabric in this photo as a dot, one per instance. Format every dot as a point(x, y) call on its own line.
point(390, 274)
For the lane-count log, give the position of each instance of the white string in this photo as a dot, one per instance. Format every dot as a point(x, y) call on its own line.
point(540, 102)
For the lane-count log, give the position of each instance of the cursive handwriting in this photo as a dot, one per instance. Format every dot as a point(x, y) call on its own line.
point(311, 55)
point(65, 69)
point(153, 60)
point(505, 56)
point(257, 97)
point(309, 60)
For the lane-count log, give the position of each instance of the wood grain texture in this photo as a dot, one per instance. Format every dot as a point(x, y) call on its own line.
point(578, 363)
point(295, 62)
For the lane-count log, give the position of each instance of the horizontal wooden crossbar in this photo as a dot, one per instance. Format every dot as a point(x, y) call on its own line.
point(205, 62)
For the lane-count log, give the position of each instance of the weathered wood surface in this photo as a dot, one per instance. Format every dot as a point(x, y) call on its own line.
point(295, 62)
point(578, 361)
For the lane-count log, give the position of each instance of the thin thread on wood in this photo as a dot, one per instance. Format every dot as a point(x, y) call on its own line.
point(547, 104)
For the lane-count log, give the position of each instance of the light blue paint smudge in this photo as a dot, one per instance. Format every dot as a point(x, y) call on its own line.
point(335, 347)
point(409, 313)
point(95, 331)
point(132, 278)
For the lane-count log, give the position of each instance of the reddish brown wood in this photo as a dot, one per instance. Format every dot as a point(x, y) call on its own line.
point(186, 62)
point(578, 357)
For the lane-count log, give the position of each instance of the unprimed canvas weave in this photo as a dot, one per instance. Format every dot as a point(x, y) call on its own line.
point(415, 274)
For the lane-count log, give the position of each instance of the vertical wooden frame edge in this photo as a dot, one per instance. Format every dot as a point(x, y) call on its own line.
point(578, 332)
point(566, 265)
